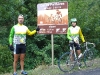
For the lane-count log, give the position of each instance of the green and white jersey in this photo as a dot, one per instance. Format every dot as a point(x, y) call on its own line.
point(18, 34)
point(73, 33)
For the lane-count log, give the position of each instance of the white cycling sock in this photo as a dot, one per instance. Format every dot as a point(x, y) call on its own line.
point(80, 55)
point(22, 70)
point(15, 72)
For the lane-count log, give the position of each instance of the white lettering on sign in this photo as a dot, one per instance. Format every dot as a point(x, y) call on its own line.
point(51, 4)
point(52, 26)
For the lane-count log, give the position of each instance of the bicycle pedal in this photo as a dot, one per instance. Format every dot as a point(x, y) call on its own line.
point(80, 64)
point(79, 68)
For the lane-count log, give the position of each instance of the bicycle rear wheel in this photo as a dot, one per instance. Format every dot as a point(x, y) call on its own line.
point(89, 58)
point(64, 63)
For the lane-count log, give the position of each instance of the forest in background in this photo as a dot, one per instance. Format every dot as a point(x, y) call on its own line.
point(39, 46)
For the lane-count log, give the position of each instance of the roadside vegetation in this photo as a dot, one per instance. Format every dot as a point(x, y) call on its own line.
point(39, 46)
point(54, 70)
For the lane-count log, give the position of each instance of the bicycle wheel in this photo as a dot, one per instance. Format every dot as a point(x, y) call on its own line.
point(64, 63)
point(89, 58)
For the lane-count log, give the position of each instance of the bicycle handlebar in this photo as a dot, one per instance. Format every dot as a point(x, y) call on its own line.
point(90, 44)
point(86, 45)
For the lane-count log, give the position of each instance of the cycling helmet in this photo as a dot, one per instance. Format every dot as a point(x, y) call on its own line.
point(73, 20)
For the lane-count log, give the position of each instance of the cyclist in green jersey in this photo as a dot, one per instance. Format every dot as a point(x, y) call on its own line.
point(73, 34)
point(17, 41)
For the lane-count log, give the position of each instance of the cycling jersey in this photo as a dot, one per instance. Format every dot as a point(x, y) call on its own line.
point(18, 34)
point(73, 33)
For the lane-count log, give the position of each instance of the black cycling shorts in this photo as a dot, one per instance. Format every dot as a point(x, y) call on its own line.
point(19, 48)
point(76, 45)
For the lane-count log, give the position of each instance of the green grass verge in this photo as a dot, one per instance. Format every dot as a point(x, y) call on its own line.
point(54, 70)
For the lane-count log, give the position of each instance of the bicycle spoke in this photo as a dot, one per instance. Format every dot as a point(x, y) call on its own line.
point(89, 58)
point(65, 63)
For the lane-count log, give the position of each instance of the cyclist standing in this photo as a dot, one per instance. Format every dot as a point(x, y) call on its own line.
point(17, 40)
point(73, 34)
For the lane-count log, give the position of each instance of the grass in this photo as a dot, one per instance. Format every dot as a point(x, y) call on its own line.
point(42, 70)
point(54, 70)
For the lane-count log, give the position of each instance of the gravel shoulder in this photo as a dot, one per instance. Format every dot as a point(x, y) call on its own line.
point(95, 71)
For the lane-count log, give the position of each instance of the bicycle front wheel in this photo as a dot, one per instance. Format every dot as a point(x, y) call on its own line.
point(64, 63)
point(89, 58)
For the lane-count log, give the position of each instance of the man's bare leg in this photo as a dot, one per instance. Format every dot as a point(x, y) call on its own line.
point(16, 56)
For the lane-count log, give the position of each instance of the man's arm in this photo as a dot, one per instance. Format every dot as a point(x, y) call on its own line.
point(81, 35)
point(31, 32)
point(11, 35)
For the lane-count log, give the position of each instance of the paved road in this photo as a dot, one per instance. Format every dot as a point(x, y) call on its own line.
point(88, 72)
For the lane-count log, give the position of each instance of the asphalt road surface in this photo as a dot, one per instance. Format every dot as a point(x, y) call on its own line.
point(87, 72)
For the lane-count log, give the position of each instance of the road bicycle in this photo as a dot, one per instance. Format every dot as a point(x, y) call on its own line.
point(66, 64)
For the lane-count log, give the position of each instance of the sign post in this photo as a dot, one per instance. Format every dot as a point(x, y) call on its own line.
point(52, 18)
point(52, 49)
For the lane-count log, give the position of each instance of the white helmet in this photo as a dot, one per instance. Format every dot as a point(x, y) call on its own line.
point(73, 20)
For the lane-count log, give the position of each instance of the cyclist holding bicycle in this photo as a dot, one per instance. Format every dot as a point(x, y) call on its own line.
point(73, 34)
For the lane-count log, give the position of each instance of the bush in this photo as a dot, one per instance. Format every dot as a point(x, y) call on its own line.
point(6, 59)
